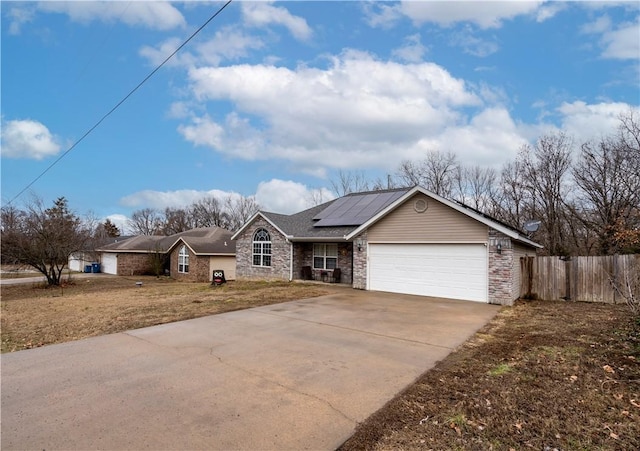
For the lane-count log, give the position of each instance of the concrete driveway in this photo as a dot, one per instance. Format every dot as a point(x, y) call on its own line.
point(298, 375)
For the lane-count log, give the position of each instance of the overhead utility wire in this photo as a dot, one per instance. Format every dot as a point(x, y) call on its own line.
point(120, 102)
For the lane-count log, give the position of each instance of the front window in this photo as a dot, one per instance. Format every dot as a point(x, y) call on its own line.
point(261, 248)
point(325, 256)
point(183, 260)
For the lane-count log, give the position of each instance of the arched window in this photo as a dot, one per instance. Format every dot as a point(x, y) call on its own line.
point(261, 248)
point(183, 260)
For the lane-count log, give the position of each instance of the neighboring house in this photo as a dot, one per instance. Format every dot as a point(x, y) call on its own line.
point(192, 255)
point(79, 261)
point(406, 240)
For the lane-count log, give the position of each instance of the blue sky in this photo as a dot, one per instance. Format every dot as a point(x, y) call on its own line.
point(273, 98)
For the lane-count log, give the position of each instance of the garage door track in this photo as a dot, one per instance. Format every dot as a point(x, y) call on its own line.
point(297, 375)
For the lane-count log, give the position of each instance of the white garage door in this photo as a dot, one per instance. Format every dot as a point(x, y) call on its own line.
point(456, 271)
point(109, 263)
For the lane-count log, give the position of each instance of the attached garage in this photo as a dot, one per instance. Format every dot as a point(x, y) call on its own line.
point(109, 263)
point(456, 271)
point(228, 265)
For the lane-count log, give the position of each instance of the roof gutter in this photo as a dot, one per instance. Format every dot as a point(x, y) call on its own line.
point(316, 239)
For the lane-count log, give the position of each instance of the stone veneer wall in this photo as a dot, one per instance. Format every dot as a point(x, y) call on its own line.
point(303, 256)
point(360, 263)
point(134, 264)
point(198, 267)
point(501, 277)
point(280, 254)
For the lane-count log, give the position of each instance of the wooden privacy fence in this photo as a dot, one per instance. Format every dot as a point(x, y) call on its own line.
point(584, 279)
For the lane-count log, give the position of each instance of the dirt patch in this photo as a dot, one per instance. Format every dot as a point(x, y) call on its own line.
point(33, 316)
point(541, 375)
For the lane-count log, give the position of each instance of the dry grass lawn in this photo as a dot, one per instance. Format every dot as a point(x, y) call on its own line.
point(32, 315)
point(541, 376)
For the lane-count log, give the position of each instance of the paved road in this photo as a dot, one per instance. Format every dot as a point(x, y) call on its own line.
point(298, 375)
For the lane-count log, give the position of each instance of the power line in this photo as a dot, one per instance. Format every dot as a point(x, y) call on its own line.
point(124, 99)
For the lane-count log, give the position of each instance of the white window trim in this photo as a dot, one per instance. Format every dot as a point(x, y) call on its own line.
point(324, 255)
point(262, 254)
point(183, 260)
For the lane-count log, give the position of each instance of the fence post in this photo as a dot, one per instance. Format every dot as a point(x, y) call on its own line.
point(567, 277)
point(615, 276)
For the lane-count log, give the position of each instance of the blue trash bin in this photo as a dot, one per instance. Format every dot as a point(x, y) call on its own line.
point(87, 268)
point(95, 267)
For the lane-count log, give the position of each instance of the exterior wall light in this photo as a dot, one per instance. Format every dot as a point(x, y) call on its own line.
point(360, 244)
point(499, 248)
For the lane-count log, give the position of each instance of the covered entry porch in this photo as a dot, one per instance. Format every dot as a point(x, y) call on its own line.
point(330, 262)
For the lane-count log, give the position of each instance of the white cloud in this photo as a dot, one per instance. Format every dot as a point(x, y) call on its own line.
point(379, 14)
point(488, 139)
point(228, 44)
point(278, 196)
point(19, 15)
point(235, 137)
point(363, 113)
point(600, 25)
point(28, 139)
point(412, 51)
point(445, 14)
point(160, 15)
point(156, 55)
point(621, 42)
point(174, 199)
point(179, 110)
point(359, 106)
point(473, 45)
point(287, 197)
point(549, 10)
point(263, 14)
point(591, 121)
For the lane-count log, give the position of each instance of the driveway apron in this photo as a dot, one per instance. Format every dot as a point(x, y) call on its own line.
point(297, 375)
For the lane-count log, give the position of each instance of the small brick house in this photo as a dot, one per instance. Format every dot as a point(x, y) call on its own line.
point(192, 255)
point(407, 240)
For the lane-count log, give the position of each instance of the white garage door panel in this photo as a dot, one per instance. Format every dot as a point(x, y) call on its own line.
point(457, 271)
point(109, 263)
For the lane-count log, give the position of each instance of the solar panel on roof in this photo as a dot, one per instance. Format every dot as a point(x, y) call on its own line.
point(356, 209)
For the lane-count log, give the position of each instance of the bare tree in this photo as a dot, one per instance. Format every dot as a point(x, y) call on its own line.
point(476, 186)
point(240, 209)
point(44, 238)
point(317, 196)
point(11, 222)
point(176, 220)
point(606, 174)
point(436, 172)
point(627, 283)
point(513, 200)
point(546, 166)
point(145, 222)
point(349, 182)
point(208, 212)
point(382, 183)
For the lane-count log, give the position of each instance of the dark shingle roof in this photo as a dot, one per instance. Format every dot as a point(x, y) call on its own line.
point(205, 241)
point(308, 223)
point(210, 240)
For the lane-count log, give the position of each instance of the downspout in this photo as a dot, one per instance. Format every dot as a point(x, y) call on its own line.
point(290, 260)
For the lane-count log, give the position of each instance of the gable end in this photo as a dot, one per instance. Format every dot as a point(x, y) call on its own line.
point(423, 219)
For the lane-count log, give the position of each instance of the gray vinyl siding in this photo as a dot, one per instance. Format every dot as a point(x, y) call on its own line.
point(439, 223)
